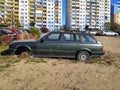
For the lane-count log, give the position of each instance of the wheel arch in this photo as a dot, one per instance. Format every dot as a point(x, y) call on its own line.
point(22, 48)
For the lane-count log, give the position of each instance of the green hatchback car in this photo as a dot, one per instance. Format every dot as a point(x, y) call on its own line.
point(61, 44)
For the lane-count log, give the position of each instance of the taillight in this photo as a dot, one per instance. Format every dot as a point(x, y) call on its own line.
point(102, 48)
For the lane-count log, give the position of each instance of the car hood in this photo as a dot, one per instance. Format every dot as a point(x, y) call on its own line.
point(23, 41)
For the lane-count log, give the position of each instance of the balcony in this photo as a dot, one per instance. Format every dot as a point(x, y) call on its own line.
point(39, 9)
point(56, 7)
point(31, 0)
point(38, 4)
point(8, 23)
point(2, 1)
point(39, 17)
point(10, 2)
point(44, 12)
point(16, 10)
point(31, 20)
point(31, 15)
point(16, 2)
point(44, 16)
point(44, 9)
point(9, 5)
point(15, 14)
point(16, 6)
point(56, 17)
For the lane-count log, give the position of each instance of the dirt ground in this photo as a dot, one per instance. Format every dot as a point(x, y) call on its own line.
point(64, 74)
point(111, 44)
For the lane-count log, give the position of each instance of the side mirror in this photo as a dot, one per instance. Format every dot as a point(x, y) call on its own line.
point(42, 40)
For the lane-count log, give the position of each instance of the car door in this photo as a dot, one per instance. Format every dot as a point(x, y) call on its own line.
point(50, 45)
point(70, 44)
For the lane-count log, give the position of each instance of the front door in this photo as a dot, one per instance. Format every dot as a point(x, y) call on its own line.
point(50, 46)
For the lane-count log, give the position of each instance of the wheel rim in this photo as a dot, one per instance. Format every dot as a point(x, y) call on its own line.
point(83, 57)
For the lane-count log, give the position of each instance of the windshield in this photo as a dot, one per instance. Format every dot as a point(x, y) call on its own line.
point(42, 35)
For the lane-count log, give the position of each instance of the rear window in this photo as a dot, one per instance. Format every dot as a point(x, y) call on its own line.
point(71, 37)
point(68, 37)
point(87, 39)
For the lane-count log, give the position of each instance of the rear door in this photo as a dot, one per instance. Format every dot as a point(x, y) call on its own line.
point(70, 44)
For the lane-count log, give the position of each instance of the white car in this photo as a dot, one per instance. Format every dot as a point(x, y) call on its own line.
point(109, 33)
point(92, 32)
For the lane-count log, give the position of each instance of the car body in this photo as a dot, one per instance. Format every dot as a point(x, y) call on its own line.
point(109, 33)
point(60, 44)
point(118, 31)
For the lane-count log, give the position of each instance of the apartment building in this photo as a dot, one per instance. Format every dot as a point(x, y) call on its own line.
point(76, 14)
point(118, 13)
point(115, 14)
point(9, 12)
point(44, 13)
point(94, 13)
point(24, 14)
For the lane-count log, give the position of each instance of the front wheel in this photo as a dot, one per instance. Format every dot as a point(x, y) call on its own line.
point(83, 56)
point(25, 54)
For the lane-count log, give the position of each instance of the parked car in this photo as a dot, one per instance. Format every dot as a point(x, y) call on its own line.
point(4, 32)
point(118, 31)
point(109, 33)
point(60, 44)
point(99, 33)
point(92, 32)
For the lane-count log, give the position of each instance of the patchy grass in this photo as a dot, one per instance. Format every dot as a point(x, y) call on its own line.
point(108, 59)
point(7, 61)
point(3, 47)
point(35, 60)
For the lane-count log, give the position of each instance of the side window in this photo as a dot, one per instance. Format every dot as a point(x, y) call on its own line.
point(77, 37)
point(87, 39)
point(68, 37)
point(53, 37)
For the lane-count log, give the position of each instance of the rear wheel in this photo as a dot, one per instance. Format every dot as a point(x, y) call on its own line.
point(83, 56)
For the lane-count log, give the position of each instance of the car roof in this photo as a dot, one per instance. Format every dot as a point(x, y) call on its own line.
point(68, 31)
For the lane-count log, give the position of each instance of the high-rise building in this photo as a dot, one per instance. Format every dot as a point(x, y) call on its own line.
point(76, 14)
point(24, 14)
point(9, 12)
point(93, 13)
point(44, 13)
point(115, 15)
point(118, 13)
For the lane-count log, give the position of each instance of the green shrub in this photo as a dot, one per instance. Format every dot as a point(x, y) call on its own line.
point(35, 31)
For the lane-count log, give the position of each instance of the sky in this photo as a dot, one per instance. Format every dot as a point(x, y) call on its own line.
point(113, 1)
point(64, 9)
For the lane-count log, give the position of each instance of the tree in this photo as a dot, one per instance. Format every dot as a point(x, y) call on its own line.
point(115, 26)
point(44, 30)
point(63, 27)
point(32, 24)
point(107, 25)
point(86, 27)
point(18, 25)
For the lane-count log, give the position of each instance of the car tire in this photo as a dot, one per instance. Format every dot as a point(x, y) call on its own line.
point(25, 54)
point(83, 56)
